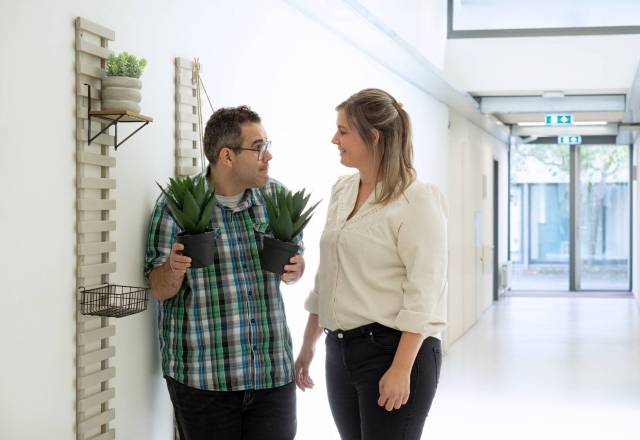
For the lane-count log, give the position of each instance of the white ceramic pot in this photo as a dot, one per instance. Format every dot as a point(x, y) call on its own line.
point(121, 93)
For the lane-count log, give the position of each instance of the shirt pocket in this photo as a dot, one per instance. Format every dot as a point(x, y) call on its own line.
point(261, 229)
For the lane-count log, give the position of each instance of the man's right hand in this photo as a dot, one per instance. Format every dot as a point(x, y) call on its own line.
point(165, 280)
point(178, 263)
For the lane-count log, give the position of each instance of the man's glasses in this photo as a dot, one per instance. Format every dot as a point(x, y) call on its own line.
point(261, 149)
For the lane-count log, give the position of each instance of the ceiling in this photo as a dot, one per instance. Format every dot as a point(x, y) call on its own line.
point(593, 114)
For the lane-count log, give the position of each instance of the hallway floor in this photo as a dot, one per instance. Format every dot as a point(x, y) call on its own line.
point(543, 368)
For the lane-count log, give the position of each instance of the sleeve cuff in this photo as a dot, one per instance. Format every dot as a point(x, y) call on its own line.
point(156, 264)
point(311, 303)
point(422, 323)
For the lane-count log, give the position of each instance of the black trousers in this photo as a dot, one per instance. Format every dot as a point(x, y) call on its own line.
point(356, 360)
point(234, 415)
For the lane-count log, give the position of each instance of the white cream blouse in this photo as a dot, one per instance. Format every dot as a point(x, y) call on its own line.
point(387, 264)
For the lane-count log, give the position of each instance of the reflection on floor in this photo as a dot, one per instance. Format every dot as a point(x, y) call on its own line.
point(543, 368)
point(556, 277)
point(568, 294)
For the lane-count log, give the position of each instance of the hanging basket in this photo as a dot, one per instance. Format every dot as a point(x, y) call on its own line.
point(113, 300)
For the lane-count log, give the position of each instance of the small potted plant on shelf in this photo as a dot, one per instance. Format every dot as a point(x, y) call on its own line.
point(191, 204)
point(122, 84)
point(286, 221)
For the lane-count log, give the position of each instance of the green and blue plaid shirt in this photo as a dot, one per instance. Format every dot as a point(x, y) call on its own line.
point(226, 328)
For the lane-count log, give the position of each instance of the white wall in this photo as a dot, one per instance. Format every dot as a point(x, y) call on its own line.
point(600, 62)
point(261, 53)
point(471, 155)
point(423, 24)
point(635, 244)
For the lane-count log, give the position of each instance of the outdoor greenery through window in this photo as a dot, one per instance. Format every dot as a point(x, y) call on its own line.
point(604, 217)
point(540, 239)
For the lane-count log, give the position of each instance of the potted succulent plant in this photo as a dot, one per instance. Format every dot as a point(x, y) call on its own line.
point(286, 220)
point(191, 204)
point(122, 84)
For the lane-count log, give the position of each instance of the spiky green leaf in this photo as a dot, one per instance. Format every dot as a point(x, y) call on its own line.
point(205, 217)
point(297, 206)
point(177, 187)
point(183, 196)
point(191, 208)
point(283, 227)
point(297, 229)
point(171, 200)
point(285, 210)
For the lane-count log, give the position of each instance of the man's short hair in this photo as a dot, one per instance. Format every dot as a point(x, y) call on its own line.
point(224, 129)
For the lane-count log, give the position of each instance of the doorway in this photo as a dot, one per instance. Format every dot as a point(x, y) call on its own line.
point(570, 217)
point(496, 230)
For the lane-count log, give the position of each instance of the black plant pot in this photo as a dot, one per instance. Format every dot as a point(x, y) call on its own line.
point(200, 247)
point(275, 254)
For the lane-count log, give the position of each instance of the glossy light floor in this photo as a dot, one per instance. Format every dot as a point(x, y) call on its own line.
point(543, 368)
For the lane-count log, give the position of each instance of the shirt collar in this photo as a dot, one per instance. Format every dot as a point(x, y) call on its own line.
point(251, 197)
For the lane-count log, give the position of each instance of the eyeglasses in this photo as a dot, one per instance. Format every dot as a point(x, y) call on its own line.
point(261, 149)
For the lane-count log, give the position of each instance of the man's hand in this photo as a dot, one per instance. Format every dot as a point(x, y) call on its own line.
point(294, 270)
point(178, 263)
point(165, 280)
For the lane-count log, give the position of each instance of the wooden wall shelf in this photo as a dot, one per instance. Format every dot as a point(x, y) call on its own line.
point(114, 117)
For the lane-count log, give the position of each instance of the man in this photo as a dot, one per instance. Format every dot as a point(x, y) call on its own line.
point(226, 349)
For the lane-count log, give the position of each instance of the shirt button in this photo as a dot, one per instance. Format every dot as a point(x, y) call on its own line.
point(340, 336)
point(255, 347)
point(250, 292)
point(253, 321)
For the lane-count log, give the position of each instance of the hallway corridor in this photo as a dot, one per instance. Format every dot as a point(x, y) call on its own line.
point(543, 368)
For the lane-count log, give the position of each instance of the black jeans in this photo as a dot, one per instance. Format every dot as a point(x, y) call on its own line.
point(234, 415)
point(356, 361)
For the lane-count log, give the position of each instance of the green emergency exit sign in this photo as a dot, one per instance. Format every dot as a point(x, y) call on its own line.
point(558, 119)
point(571, 140)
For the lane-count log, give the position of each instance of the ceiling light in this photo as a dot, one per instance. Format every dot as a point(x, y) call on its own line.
point(581, 123)
point(590, 123)
point(531, 124)
point(553, 94)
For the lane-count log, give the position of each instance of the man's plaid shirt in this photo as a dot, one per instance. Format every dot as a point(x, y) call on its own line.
point(226, 328)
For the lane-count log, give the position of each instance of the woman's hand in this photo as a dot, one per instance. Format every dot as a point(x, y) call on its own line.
point(303, 380)
point(394, 385)
point(311, 334)
point(394, 388)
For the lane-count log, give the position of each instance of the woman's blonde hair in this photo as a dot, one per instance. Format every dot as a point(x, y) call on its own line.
point(371, 109)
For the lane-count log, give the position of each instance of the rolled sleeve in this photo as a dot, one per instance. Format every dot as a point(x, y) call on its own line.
point(162, 233)
point(298, 240)
point(422, 247)
point(312, 303)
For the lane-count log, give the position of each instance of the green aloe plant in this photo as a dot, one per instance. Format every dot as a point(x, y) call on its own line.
point(191, 203)
point(125, 64)
point(286, 216)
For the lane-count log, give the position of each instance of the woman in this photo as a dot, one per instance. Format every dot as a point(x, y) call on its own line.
point(380, 288)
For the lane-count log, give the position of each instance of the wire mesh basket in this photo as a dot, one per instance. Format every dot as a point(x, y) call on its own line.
point(113, 300)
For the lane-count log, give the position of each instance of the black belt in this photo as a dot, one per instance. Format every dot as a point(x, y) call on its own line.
point(358, 332)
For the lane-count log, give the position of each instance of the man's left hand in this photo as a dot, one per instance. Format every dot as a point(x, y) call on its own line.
point(294, 270)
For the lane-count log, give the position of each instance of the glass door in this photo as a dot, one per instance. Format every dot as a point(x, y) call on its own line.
point(539, 217)
point(570, 217)
point(603, 238)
